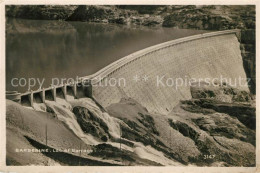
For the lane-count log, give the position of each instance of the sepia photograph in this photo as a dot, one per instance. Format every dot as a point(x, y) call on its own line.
point(130, 85)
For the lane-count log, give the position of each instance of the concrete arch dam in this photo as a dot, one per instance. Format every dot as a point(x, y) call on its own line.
point(146, 73)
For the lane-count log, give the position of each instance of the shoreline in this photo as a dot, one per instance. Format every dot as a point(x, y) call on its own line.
point(182, 17)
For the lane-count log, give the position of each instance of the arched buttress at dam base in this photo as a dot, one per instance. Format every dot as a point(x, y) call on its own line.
point(149, 76)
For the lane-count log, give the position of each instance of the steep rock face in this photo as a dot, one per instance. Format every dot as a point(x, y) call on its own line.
point(248, 52)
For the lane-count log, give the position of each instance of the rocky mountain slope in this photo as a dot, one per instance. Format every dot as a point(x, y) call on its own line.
point(181, 16)
point(215, 128)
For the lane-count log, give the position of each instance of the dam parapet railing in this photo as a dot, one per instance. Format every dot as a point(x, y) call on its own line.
point(79, 89)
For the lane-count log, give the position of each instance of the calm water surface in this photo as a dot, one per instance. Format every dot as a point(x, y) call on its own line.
point(58, 49)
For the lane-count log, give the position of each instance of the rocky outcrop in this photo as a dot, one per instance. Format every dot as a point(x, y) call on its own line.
point(89, 13)
point(111, 14)
point(220, 91)
point(91, 124)
point(223, 99)
point(223, 129)
point(211, 17)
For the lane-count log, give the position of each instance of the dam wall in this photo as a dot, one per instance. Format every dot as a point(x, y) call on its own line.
point(210, 55)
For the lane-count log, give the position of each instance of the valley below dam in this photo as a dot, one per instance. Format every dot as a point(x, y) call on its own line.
point(205, 130)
